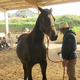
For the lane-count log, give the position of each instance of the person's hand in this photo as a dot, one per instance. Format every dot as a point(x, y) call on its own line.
point(58, 53)
point(65, 62)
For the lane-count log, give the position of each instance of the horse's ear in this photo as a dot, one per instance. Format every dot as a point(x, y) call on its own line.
point(40, 9)
point(51, 10)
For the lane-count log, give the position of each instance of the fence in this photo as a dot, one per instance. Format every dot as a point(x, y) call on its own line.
point(13, 30)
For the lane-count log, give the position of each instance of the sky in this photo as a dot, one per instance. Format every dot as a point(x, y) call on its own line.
point(69, 8)
point(60, 9)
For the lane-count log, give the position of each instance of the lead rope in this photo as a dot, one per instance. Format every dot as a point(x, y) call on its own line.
point(47, 49)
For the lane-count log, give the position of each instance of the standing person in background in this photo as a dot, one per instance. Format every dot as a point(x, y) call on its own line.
point(26, 31)
point(69, 46)
point(9, 37)
point(16, 39)
point(4, 43)
point(1, 46)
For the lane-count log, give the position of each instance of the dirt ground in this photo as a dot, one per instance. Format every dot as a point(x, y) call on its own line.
point(11, 67)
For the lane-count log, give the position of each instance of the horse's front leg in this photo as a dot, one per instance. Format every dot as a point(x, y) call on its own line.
point(43, 69)
point(30, 73)
point(25, 71)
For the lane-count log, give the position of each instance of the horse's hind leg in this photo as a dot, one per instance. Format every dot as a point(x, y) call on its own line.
point(43, 69)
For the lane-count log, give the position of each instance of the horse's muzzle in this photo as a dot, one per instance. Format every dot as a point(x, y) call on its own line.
point(53, 38)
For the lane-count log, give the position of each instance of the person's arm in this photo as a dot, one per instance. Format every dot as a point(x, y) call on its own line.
point(59, 53)
point(65, 62)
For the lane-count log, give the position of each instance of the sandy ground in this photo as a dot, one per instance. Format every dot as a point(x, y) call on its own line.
point(11, 67)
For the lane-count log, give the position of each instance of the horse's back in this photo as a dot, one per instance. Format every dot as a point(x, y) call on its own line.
point(22, 36)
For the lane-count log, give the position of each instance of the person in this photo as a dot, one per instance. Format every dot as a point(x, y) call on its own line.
point(4, 43)
point(26, 31)
point(16, 39)
point(1, 46)
point(68, 50)
point(9, 37)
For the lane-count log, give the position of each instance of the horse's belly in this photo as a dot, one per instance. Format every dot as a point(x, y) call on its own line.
point(38, 56)
point(31, 54)
point(22, 52)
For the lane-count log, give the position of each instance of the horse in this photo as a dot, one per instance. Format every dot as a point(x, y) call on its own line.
point(31, 48)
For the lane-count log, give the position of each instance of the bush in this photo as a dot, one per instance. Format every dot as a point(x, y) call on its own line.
point(17, 22)
point(76, 29)
point(21, 25)
point(2, 25)
point(22, 20)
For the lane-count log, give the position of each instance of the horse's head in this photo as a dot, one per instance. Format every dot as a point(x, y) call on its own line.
point(47, 24)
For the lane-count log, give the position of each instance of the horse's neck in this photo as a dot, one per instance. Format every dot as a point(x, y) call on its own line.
point(38, 36)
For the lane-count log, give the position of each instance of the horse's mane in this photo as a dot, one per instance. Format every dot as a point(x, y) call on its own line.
point(37, 22)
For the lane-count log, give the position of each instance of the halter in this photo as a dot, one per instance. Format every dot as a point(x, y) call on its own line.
point(42, 24)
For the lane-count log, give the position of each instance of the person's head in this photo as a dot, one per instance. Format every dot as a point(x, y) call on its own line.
point(16, 36)
point(0, 38)
point(63, 27)
point(4, 37)
point(10, 32)
point(63, 30)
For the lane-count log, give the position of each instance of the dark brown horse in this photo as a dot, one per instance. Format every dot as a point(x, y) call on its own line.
point(31, 48)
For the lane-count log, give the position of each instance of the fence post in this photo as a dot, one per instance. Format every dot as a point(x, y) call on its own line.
point(6, 20)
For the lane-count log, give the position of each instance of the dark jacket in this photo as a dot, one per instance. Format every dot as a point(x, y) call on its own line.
point(69, 45)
